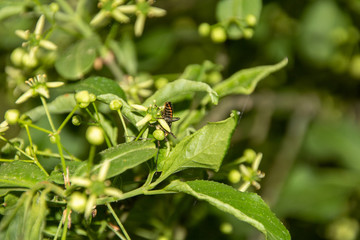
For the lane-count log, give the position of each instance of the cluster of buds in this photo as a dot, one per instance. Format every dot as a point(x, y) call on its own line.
point(33, 41)
point(249, 175)
point(138, 86)
point(234, 29)
point(117, 10)
point(96, 186)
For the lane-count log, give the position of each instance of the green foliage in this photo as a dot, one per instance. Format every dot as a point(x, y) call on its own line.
point(248, 207)
point(49, 191)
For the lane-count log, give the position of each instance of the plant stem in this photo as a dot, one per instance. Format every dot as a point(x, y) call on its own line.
point(67, 118)
point(35, 160)
point(91, 158)
point(67, 213)
point(16, 147)
point(124, 126)
point(58, 144)
point(141, 132)
point(35, 127)
point(48, 114)
point(118, 221)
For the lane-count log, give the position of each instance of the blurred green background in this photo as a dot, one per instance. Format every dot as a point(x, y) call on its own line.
point(304, 119)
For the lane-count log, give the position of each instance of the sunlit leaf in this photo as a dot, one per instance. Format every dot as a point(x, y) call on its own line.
point(245, 81)
point(247, 207)
point(98, 86)
point(125, 156)
point(205, 148)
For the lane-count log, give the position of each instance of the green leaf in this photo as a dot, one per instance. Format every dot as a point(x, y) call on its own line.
point(228, 10)
point(110, 130)
point(125, 156)
point(20, 174)
point(245, 81)
point(62, 104)
point(77, 59)
point(26, 220)
point(98, 86)
point(247, 207)
point(180, 89)
point(205, 148)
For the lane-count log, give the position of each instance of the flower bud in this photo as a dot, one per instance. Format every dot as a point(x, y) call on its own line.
point(12, 116)
point(218, 34)
point(17, 56)
point(204, 29)
point(82, 98)
point(234, 176)
point(248, 33)
point(76, 120)
point(250, 20)
point(115, 104)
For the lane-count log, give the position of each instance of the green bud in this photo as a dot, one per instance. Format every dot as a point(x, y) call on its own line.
point(250, 20)
point(82, 97)
point(248, 33)
point(17, 56)
point(234, 176)
point(218, 34)
point(204, 29)
point(115, 104)
point(29, 60)
point(159, 135)
point(54, 7)
point(95, 135)
point(78, 202)
point(12, 116)
point(226, 228)
point(53, 139)
point(92, 97)
point(76, 120)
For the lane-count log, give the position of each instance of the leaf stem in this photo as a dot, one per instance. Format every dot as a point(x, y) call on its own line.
point(118, 221)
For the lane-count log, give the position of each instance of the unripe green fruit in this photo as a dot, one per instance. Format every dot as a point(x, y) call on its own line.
point(159, 135)
point(95, 135)
point(218, 34)
point(248, 33)
point(78, 202)
point(17, 56)
point(234, 176)
point(12, 116)
point(29, 61)
point(251, 20)
point(204, 29)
